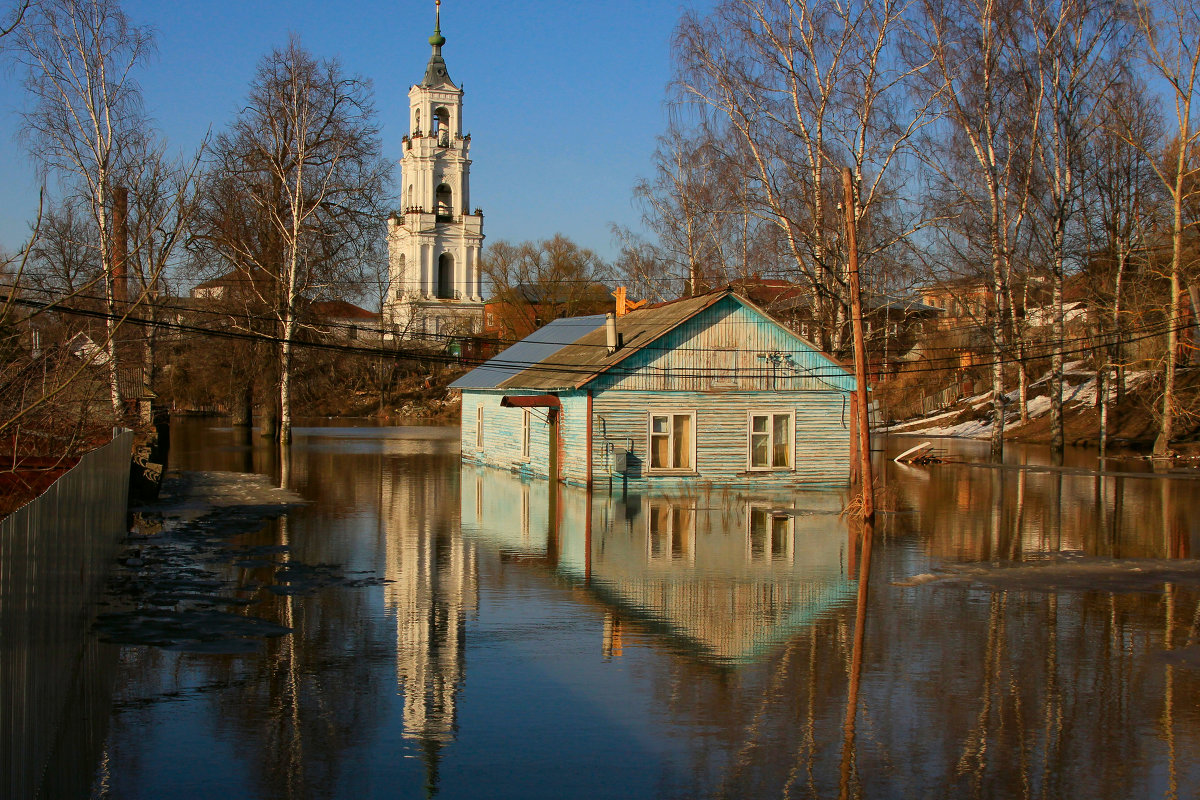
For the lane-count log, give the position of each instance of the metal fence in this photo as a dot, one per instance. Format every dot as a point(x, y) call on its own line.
point(54, 556)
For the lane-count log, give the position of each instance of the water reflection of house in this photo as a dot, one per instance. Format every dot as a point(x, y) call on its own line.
point(726, 575)
point(433, 586)
point(708, 389)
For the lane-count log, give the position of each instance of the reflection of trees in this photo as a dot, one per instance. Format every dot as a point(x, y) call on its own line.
point(298, 708)
point(965, 513)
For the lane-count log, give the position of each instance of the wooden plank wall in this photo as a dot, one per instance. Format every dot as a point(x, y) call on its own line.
point(502, 435)
point(822, 454)
point(729, 347)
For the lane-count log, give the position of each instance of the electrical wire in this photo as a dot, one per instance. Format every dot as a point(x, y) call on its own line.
point(1087, 346)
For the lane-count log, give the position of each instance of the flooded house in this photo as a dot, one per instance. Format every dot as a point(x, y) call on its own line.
point(707, 389)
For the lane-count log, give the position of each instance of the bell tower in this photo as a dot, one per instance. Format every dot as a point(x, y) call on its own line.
point(434, 239)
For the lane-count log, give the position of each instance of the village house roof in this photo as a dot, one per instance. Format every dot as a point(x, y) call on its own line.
point(588, 356)
point(340, 309)
point(535, 348)
point(569, 353)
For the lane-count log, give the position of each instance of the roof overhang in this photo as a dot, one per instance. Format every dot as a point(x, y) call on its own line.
point(530, 401)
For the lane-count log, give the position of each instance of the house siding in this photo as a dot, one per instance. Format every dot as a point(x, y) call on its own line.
point(821, 454)
point(727, 361)
point(728, 348)
point(502, 435)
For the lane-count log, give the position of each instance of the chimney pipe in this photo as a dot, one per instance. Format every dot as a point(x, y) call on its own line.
point(610, 328)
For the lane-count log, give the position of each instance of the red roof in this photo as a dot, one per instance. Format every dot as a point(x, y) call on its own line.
point(340, 309)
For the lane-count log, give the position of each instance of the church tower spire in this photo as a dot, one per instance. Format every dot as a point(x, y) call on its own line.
point(434, 239)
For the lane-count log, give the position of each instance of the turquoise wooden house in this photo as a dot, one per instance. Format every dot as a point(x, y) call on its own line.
point(706, 390)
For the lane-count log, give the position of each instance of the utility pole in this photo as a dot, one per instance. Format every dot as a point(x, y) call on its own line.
point(860, 353)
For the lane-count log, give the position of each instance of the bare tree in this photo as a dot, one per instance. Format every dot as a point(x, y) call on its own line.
point(696, 204)
point(13, 18)
point(79, 57)
point(1076, 49)
point(297, 185)
point(984, 158)
point(1120, 190)
point(804, 89)
point(535, 283)
point(1171, 54)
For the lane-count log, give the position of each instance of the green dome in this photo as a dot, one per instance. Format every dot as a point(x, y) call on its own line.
point(437, 40)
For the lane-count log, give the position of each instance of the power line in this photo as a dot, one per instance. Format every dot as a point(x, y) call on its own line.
point(422, 356)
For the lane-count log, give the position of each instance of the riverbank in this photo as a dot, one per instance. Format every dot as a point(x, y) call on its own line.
point(1133, 424)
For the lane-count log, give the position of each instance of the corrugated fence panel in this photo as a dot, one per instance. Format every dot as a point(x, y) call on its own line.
point(54, 558)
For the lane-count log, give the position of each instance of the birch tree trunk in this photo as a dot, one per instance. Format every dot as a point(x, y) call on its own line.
point(78, 57)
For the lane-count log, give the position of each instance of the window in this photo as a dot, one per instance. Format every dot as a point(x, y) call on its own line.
point(478, 427)
point(770, 535)
point(670, 532)
point(525, 431)
point(672, 445)
point(770, 440)
point(444, 202)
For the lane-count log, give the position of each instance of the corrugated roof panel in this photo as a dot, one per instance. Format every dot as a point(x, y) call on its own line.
point(588, 356)
point(534, 348)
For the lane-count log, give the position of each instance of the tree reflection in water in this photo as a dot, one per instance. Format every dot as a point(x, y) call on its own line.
point(718, 643)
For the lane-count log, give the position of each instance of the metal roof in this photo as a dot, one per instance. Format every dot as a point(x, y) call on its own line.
point(588, 356)
point(533, 349)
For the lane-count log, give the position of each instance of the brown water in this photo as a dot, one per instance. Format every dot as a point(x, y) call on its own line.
point(529, 644)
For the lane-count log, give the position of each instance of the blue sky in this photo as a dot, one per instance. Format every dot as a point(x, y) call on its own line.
point(563, 100)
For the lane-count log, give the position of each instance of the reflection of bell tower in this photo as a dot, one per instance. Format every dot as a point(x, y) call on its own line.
point(432, 588)
point(434, 239)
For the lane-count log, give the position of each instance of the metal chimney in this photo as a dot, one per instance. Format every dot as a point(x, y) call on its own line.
point(610, 328)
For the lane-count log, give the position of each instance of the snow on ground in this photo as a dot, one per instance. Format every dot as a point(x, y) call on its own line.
point(1080, 388)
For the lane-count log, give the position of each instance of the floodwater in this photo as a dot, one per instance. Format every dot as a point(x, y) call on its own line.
point(501, 641)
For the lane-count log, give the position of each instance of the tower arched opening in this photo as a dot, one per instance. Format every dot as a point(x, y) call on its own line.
point(445, 277)
point(444, 200)
point(441, 126)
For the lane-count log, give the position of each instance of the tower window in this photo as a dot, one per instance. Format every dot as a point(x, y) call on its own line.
point(445, 283)
point(445, 201)
point(441, 126)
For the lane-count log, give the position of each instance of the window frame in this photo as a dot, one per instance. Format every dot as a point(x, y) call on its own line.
point(670, 414)
point(479, 427)
point(526, 433)
point(770, 414)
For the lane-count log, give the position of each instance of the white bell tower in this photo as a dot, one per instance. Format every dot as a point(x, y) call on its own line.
point(434, 240)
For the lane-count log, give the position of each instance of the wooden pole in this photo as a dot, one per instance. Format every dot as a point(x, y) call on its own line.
point(860, 354)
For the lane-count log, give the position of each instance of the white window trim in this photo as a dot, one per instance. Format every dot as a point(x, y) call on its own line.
point(662, 412)
point(767, 557)
point(479, 427)
point(526, 433)
point(761, 412)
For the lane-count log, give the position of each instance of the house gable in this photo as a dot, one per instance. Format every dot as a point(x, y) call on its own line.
point(729, 346)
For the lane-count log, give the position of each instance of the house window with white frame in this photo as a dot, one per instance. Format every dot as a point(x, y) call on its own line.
point(770, 535)
point(672, 442)
point(479, 427)
point(770, 440)
point(526, 427)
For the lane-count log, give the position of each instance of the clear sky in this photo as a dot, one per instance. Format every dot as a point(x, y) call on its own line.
point(563, 99)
